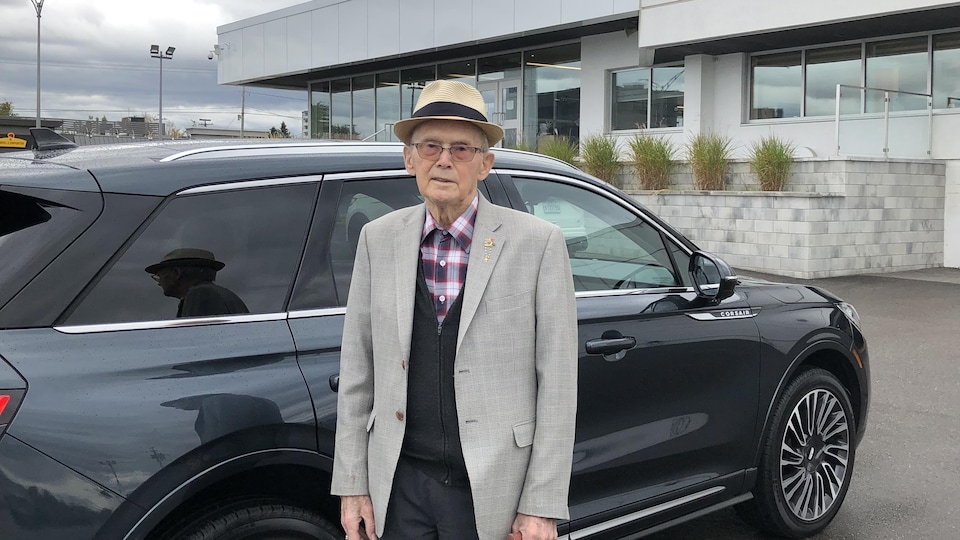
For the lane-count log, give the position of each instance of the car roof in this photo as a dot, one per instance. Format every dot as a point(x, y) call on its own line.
point(164, 167)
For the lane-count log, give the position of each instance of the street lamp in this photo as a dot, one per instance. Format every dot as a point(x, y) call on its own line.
point(165, 55)
point(38, 5)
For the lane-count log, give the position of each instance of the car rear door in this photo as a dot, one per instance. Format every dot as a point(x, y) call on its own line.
point(667, 386)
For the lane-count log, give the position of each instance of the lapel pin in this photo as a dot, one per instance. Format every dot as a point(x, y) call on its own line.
point(488, 242)
point(487, 245)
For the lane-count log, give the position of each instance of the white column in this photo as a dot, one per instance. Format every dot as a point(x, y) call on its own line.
point(951, 216)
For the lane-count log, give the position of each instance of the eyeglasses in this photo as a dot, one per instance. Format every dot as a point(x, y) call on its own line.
point(458, 152)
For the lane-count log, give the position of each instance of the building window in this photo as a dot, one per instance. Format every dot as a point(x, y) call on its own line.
point(320, 110)
point(551, 95)
point(825, 69)
point(647, 98)
point(388, 104)
point(341, 126)
point(412, 82)
point(946, 71)
point(777, 85)
point(364, 106)
point(898, 65)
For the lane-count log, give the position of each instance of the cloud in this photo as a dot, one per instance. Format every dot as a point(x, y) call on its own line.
point(95, 61)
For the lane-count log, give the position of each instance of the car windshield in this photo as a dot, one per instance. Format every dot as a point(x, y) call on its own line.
point(35, 225)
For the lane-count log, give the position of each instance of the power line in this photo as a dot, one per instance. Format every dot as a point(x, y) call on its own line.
point(110, 67)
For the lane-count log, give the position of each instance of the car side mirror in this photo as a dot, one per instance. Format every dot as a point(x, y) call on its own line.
point(713, 279)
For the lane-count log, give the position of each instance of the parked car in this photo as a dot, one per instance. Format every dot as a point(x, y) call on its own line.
point(698, 390)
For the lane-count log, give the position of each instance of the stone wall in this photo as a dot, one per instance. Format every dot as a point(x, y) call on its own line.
point(839, 217)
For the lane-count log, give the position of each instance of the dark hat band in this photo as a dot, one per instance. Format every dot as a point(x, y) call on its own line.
point(448, 108)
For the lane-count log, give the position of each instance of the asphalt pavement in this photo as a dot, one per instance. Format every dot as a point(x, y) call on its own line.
point(906, 480)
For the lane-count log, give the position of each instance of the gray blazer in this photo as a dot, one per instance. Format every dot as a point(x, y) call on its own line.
point(516, 366)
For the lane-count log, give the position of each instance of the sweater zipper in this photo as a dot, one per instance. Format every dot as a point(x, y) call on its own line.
point(443, 428)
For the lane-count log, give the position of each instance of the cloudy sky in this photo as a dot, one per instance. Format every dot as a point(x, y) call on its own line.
point(95, 61)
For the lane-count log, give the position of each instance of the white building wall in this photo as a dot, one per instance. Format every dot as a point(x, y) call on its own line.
point(671, 22)
point(345, 31)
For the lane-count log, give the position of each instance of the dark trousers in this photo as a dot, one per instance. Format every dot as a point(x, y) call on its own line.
point(422, 507)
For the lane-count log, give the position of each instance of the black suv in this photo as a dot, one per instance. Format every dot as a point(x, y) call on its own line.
point(121, 420)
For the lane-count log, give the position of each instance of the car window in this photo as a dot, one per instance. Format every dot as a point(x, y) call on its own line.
point(360, 202)
point(217, 253)
point(610, 246)
point(35, 227)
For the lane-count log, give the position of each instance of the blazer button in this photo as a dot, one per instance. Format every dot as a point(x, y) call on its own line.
point(400, 416)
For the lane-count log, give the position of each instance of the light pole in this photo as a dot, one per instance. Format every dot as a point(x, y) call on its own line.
point(166, 55)
point(38, 5)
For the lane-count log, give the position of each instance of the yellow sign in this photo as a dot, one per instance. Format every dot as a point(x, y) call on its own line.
point(11, 141)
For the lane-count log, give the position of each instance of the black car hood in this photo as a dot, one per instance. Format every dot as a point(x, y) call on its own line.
point(787, 293)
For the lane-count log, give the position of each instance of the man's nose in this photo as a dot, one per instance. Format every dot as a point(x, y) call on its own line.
point(445, 157)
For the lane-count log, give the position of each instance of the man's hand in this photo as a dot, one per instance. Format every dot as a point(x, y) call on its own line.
point(535, 528)
point(357, 509)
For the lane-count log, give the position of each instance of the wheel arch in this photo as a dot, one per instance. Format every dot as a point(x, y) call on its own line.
point(300, 477)
point(830, 356)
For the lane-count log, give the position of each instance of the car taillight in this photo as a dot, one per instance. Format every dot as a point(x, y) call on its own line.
point(9, 402)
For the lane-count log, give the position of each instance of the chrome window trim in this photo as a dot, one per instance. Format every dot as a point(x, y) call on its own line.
point(321, 312)
point(173, 323)
point(367, 174)
point(629, 518)
point(262, 149)
point(247, 184)
point(580, 183)
point(630, 292)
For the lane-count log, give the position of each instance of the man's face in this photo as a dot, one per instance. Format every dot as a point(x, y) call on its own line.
point(444, 182)
point(167, 278)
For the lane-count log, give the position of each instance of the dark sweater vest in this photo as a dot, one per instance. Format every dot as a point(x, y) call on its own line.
point(432, 437)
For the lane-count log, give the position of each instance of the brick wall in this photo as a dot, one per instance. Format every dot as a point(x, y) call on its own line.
point(839, 217)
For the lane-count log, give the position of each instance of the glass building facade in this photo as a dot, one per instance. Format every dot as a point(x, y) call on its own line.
point(531, 93)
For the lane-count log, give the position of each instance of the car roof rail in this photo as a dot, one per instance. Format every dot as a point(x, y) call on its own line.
point(47, 142)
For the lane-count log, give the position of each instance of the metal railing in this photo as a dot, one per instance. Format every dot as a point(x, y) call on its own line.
point(388, 128)
point(868, 120)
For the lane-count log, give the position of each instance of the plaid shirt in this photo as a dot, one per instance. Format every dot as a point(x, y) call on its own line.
point(445, 253)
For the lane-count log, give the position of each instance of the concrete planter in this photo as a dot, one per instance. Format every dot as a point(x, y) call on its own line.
point(839, 217)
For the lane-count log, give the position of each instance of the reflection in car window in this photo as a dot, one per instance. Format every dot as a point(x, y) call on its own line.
point(610, 247)
point(362, 201)
point(219, 253)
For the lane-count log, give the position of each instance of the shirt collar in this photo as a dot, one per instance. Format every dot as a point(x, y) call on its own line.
point(461, 229)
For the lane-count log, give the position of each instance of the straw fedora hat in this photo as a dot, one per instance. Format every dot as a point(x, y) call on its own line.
point(449, 100)
point(186, 257)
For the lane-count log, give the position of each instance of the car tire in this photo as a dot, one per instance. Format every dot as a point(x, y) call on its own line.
point(261, 520)
point(806, 460)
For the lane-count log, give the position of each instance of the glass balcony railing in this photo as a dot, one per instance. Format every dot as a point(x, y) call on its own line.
point(890, 123)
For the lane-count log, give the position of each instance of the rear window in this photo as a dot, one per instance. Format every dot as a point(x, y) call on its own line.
point(35, 226)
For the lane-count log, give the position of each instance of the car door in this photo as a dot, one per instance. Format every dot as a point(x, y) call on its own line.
point(668, 397)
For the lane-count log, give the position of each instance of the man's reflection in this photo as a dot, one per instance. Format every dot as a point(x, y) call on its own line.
point(222, 414)
point(189, 274)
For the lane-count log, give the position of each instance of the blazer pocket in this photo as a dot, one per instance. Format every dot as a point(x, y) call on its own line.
point(508, 302)
point(373, 416)
point(523, 433)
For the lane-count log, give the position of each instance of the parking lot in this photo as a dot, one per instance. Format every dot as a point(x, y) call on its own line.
point(906, 482)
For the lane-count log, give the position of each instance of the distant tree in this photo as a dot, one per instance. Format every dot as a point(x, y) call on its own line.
point(174, 132)
point(6, 108)
point(284, 132)
point(275, 133)
point(104, 119)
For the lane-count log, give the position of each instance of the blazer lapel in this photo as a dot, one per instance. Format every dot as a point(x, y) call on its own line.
point(407, 257)
point(485, 250)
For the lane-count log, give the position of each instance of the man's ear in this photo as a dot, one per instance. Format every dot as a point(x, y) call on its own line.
point(488, 158)
point(408, 160)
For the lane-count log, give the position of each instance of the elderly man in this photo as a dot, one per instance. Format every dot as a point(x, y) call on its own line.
point(457, 397)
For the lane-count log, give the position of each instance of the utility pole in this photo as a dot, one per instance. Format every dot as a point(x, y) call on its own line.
point(38, 5)
point(165, 55)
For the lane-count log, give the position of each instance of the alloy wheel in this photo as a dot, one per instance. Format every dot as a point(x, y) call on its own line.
point(814, 455)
